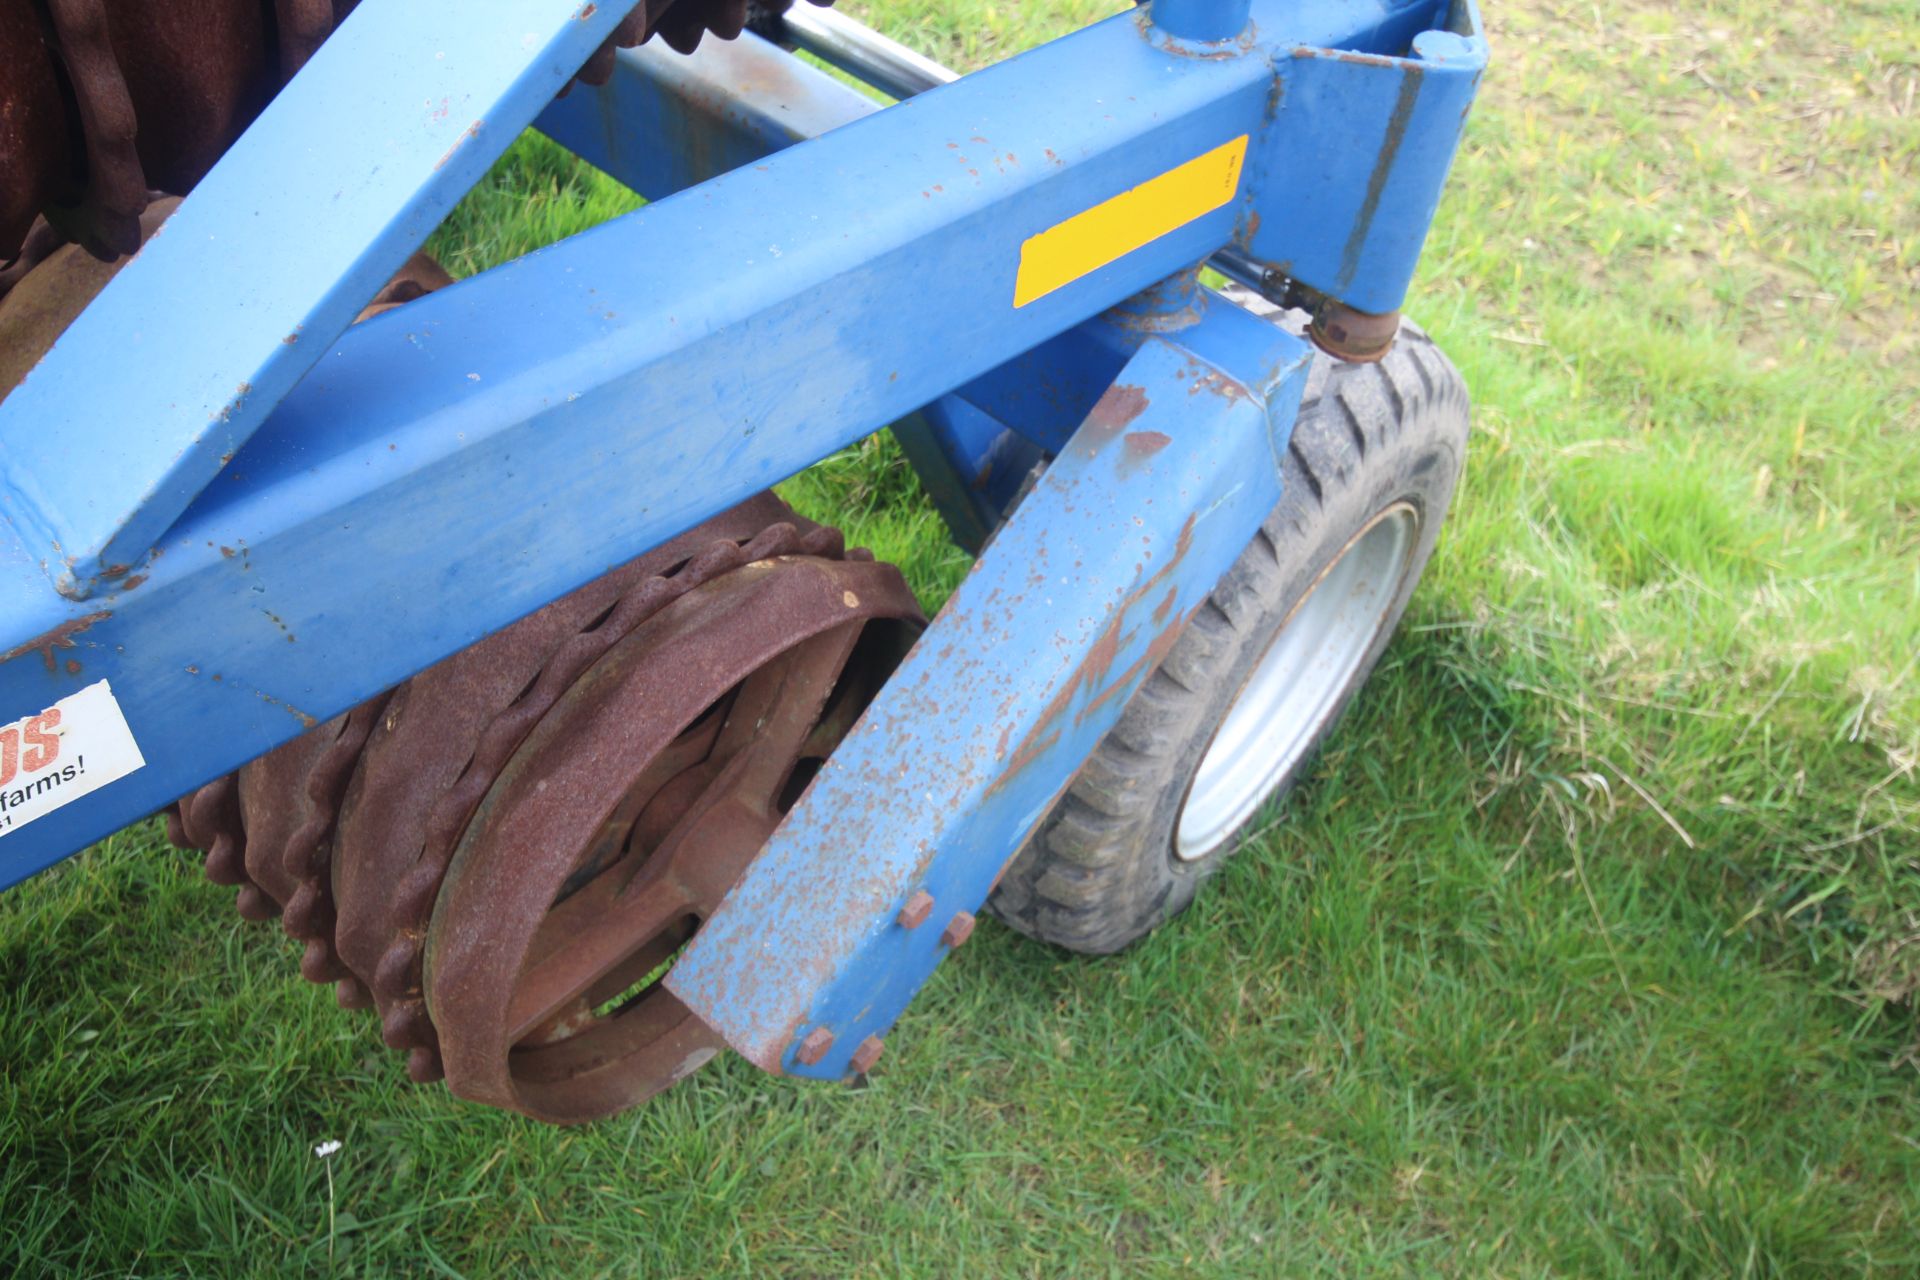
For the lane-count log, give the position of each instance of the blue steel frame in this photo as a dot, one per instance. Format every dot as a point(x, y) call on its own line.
point(251, 517)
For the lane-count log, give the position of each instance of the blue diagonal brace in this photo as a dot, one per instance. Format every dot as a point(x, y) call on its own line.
point(1072, 606)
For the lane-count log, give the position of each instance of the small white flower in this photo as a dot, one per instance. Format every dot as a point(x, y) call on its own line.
point(326, 1148)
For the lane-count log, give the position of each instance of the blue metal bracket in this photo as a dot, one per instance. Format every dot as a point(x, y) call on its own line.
point(1079, 596)
point(454, 464)
point(1362, 144)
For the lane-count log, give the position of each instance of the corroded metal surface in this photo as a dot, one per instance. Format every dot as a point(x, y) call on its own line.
point(120, 98)
point(497, 852)
point(454, 726)
point(306, 808)
point(622, 821)
point(1354, 336)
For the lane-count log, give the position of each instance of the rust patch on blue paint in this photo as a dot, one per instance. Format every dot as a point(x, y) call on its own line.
point(306, 721)
point(1095, 669)
point(240, 394)
point(1353, 56)
point(1206, 378)
point(60, 637)
point(471, 132)
point(1157, 650)
point(1115, 410)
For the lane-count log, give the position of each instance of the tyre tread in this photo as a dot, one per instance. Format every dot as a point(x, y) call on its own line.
point(1087, 880)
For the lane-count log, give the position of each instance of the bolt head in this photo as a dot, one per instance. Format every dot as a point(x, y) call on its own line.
point(867, 1054)
point(814, 1047)
point(958, 929)
point(917, 909)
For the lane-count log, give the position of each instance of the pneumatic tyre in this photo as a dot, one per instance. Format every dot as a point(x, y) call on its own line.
point(1235, 712)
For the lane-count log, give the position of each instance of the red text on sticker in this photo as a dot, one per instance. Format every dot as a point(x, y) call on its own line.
point(30, 746)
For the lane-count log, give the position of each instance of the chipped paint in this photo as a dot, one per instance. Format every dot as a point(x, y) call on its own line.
point(1114, 410)
point(1090, 678)
point(60, 637)
point(471, 132)
point(232, 406)
point(306, 721)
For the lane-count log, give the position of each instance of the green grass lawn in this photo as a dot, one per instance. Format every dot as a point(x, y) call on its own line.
point(1589, 950)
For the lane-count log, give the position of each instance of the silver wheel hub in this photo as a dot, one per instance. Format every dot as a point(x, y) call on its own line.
point(1295, 687)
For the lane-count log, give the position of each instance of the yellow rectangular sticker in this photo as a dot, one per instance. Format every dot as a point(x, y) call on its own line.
point(1114, 228)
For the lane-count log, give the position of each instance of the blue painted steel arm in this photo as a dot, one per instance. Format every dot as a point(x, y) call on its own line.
point(1080, 595)
point(162, 380)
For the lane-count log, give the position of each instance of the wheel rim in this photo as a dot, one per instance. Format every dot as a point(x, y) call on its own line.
point(1296, 686)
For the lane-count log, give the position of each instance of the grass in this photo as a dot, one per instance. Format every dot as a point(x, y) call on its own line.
point(1589, 949)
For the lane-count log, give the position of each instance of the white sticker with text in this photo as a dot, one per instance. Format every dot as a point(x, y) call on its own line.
point(51, 758)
